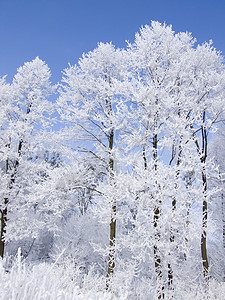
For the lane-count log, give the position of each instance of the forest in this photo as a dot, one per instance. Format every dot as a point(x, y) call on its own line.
point(112, 180)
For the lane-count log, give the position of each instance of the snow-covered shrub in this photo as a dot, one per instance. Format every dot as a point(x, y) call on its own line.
point(43, 282)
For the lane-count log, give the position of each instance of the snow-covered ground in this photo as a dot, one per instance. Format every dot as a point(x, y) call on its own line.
point(51, 282)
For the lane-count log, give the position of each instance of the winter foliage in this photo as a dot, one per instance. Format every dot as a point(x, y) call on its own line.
point(116, 189)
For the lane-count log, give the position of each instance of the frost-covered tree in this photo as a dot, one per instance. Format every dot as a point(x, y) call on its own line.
point(25, 112)
point(143, 116)
point(6, 109)
point(156, 59)
point(131, 156)
point(90, 102)
point(176, 93)
point(217, 203)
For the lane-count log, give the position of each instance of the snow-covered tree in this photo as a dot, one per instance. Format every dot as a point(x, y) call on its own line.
point(144, 115)
point(25, 112)
point(176, 92)
point(90, 101)
point(217, 204)
point(6, 109)
point(131, 155)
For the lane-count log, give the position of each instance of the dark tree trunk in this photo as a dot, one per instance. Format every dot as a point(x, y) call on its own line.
point(203, 156)
point(4, 211)
point(174, 205)
point(111, 259)
point(3, 228)
point(12, 180)
point(157, 256)
point(205, 204)
point(204, 227)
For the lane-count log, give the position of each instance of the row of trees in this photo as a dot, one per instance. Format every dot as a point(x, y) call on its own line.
point(131, 152)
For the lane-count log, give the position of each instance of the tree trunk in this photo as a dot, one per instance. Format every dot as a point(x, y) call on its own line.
point(203, 156)
point(144, 158)
point(204, 227)
point(174, 205)
point(188, 207)
point(12, 180)
point(111, 259)
point(3, 228)
point(157, 257)
point(205, 204)
point(6, 200)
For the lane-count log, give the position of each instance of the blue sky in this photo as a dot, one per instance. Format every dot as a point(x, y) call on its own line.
point(59, 31)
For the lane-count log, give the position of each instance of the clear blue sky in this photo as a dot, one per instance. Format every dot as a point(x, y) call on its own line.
point(59, 31)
